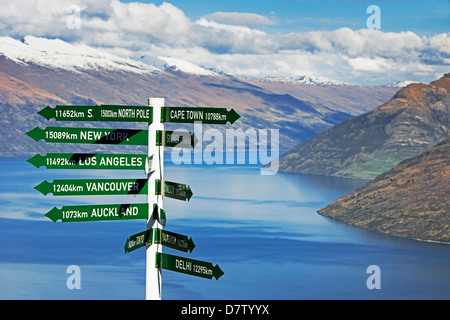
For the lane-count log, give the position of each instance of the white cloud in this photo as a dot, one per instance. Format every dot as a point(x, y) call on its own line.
point(240, 18)
point(371, 65)
point(161, 21)
point(223, 38)
point(233, 41)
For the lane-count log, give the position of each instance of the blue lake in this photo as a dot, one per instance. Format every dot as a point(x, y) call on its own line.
point(263, 231)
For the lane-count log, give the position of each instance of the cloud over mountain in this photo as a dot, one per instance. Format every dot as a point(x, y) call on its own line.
point(231, 41)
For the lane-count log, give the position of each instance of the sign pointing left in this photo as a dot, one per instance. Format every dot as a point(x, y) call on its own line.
point(89, 135)
point(88, 161)
point(99, 113)
point(99, 212)
point(78, 187)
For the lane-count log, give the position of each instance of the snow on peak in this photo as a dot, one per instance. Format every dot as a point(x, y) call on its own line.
point(58, 54)
point(187, 67)
point(399, 84)
point(306, 79)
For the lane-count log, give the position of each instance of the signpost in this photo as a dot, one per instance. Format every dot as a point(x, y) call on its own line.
point(153, 275)
point(88, 135)
point(98, 113)
point(154, 185)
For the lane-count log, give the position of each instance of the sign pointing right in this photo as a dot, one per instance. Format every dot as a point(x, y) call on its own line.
point(193, 114)
point(188, 266)
point(173, 190)
point(159, 236)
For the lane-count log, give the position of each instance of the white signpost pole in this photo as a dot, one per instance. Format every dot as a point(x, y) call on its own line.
point(154, 171)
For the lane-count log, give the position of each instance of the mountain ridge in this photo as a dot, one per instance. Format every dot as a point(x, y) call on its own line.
point(416, 118)
point(28, 85)
point(410, 200)
point(306, 79)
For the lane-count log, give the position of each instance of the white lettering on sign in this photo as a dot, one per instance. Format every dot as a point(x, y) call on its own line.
point(90, 135)
point(177, 114)
point(121, 161)
point(143, 113)
point(113, 212)
point(112, 186)
point(202, 270)
point(89, 161)
point(74, 214)
point(174, 240)
point(127, 113)
point(183, 265)
point(195, 115)
point(108, 114)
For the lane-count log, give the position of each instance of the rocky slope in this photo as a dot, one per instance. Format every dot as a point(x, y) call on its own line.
point(415, 119)
point(411, 200)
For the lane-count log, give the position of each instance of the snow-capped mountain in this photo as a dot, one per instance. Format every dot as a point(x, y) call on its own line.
point(399, 84)
point(306, 79)
point(37, 72)
point(187, 67)
point(58, 54)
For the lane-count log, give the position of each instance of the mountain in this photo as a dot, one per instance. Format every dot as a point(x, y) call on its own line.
point(410, 200)
point(36, 72)
point(415, 119)
point(187, 67)
point(58, 54)
point(306, 79)
point(399, 84)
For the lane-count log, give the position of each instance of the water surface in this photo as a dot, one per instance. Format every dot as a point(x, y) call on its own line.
point(263, 231)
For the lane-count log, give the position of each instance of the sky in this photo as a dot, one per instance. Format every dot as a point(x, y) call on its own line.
point(342, 40)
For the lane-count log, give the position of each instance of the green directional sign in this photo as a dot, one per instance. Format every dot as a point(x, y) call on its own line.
point(99, 212)
point(99, 113)
point(88, 161)
point(78, 187)
point(193, 114)
point(89, 135)
point(159, 236)
point(173, 190)
point(138, 240)
point(180, 139)
point(173, 240)
point(188, 266)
